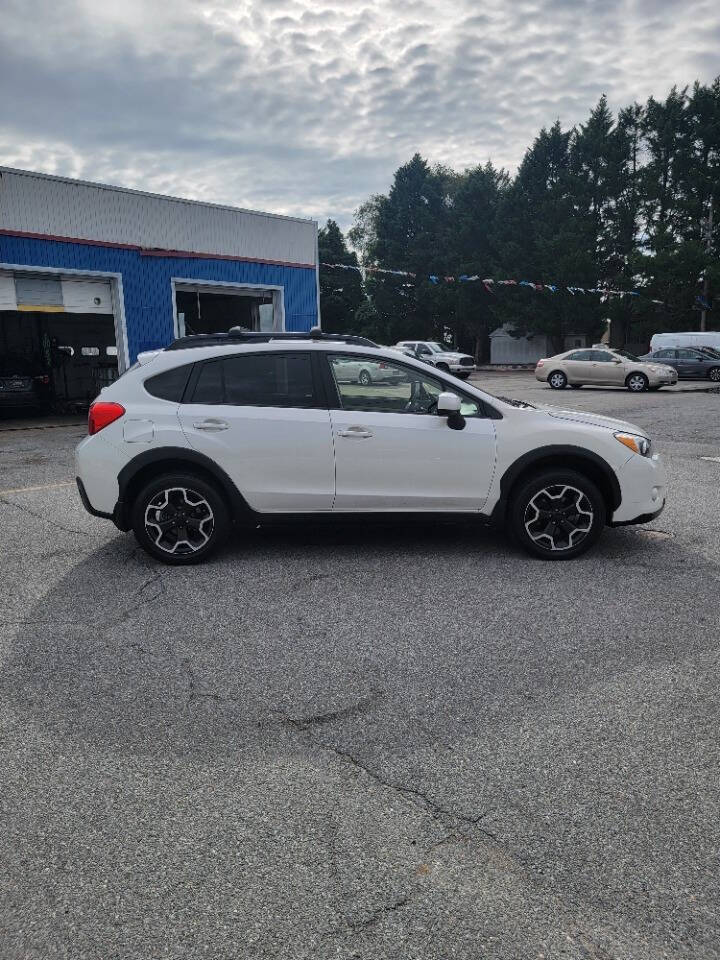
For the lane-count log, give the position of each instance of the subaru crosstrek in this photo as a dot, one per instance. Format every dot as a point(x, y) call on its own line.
point(227, 429)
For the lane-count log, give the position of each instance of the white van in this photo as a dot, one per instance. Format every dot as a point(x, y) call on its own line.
point(709, 338)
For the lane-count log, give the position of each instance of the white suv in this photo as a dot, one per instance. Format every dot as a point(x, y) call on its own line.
point(236, 428)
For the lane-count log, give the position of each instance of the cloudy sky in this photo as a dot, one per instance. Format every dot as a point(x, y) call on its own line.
point(308, 106)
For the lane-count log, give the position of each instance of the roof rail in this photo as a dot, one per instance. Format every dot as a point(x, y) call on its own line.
point(242, 335)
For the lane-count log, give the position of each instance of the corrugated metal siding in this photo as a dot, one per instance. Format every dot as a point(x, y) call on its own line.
point(507, 349)
point(146, 282)
point(33, 203)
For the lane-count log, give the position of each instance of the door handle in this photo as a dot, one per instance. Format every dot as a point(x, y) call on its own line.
point(211, 424)
point(359, 433)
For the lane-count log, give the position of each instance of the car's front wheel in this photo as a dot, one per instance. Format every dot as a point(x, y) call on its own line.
point(557, 380)
point(180, 518)
point(637, 382)
point(443, 366)
point(714, 374)
point(557, 514)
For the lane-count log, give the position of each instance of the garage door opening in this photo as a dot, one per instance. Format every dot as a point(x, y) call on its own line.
point(58, 345)
point(211, 308)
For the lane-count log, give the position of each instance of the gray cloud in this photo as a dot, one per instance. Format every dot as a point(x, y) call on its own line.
point(308, 106)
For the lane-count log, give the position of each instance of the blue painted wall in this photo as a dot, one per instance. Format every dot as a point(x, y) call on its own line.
point(146, 282)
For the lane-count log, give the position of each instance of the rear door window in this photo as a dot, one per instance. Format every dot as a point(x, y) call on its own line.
point(257, 380)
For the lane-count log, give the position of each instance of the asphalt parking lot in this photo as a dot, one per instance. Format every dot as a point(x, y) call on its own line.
point(406, 741)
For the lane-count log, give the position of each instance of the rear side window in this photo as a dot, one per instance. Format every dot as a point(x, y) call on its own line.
point(257, 380)
point(169, 385)
point(580, 355)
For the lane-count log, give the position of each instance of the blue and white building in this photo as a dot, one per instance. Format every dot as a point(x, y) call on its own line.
point(86, 267)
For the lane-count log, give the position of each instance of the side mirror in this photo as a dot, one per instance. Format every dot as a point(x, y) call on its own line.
point(448, 405)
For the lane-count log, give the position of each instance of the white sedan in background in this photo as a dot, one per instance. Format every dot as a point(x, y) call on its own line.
point(360, 371)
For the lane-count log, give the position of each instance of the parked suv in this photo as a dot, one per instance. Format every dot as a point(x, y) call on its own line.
point(461, 364)
point(244, 428)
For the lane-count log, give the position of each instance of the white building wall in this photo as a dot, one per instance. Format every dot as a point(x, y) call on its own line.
point(55, 206)
point(507, 349)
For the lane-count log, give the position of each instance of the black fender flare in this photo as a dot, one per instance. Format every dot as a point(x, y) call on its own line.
point(175, 457)
point(545, 455)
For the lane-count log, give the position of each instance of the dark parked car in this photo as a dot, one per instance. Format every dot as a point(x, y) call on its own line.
point(22, 384)
point(690, 362)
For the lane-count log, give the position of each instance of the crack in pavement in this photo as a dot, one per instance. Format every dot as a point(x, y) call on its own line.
point(419, 799)
point(40, 516)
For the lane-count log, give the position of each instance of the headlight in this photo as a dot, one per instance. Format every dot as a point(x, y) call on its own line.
point(637, 444)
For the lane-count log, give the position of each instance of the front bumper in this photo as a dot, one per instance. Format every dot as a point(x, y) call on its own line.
point(462, 368)
point(643, 489)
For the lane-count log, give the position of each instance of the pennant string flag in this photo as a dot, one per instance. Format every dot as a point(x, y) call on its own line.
point(489, 283)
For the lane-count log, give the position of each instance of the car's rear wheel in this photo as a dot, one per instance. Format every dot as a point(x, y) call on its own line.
point(364, 378)
point(557, 380)
point(714, 374)
point(637, 382)
point(180, 518)
point(557, 514)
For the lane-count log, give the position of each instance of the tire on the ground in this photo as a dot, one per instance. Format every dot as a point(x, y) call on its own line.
point(637, 376)
point(526, 490)
point(190, 481)
point(443, 366)
point(561, 380)
point(714, 374)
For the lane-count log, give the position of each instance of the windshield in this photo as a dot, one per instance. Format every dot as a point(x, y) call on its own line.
point(711, 351)
point(628, 355)
point(435, 347)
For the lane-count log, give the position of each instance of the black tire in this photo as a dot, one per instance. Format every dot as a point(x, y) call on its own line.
point(201, 503)
point(583, 498)
point(576, 386)
point(464, 376)
point(714, 374)
point(637, 382)
point(364, 378)
point(557, 380)
point(443, 366)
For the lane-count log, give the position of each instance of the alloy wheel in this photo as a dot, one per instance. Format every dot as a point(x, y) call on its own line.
point(636, 383)
point(558, 517)
point(179, 521)
point(558, 380)
point(715, 374)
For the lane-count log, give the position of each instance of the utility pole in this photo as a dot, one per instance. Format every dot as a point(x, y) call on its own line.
point(708, 246)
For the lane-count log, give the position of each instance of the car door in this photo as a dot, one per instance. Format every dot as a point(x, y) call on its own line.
point(578, 366)
point(692, 361)
point(259, 416)
point(606, 369)
point(393, 453)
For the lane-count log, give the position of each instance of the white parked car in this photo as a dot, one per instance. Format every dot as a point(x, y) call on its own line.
point(461, 364)
point(356, 370)
point(222, 430)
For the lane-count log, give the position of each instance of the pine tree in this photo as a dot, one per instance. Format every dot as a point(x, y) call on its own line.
point(340, 290)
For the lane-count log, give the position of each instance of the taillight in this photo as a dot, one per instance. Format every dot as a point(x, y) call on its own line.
point(43, 378)
point(540, 363)
point(382, 366)
point(102, 414)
